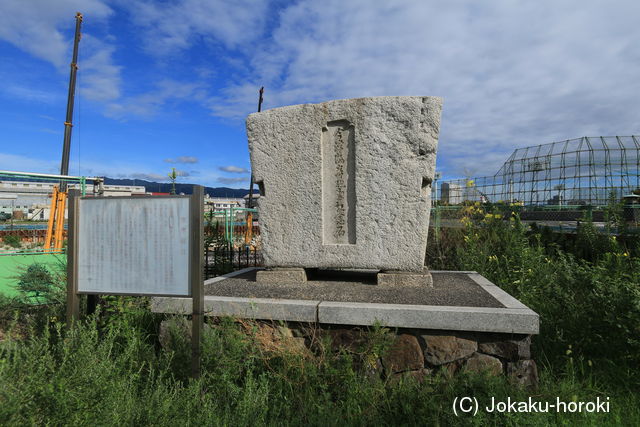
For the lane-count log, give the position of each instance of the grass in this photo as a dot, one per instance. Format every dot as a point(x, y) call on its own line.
point(111, 369)
point(12, 265)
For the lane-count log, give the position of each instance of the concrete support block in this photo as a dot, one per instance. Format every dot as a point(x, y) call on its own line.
point(405, 278)
point(281, 276)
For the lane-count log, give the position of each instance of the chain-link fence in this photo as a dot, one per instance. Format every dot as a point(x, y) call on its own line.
point(558, 218)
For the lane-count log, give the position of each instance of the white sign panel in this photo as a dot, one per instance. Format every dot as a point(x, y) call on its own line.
point(133, 245)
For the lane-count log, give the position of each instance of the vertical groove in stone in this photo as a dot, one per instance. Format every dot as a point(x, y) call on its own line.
point(338, 183)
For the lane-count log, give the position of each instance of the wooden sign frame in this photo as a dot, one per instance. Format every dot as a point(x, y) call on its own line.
point(195, 267)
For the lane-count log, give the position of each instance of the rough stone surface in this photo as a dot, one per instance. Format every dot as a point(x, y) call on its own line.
point(346, 183)
point(374, 370)
point(285, 332)
point(451, 369)
point(483, 363)
point(523, 373)
point(510, 349)
point(282, 276)
point(405, 278)
point(351, 340)
point(404, 355)
point(277, 339)
point(441, 349)
point(418, 375)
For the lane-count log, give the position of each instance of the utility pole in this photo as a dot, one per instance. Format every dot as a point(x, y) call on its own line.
point(66, 147)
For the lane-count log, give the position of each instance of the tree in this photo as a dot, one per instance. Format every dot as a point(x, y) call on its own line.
point(172, 176)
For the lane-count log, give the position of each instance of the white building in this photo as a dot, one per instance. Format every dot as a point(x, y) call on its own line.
point(33, 199)
point(254, 200)
point(223, 203)
point(451, 193)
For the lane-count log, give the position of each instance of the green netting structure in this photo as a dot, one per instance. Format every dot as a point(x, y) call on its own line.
point(582, 171)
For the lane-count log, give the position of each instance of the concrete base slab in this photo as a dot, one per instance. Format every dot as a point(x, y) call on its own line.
point(490, 310)
point(477, 319)
point(405, 278)
point(246, 308)
point(282, 275)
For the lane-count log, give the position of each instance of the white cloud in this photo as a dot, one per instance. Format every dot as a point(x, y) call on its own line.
point(235, 180)
point(183, 159)
point(90, 168)
point(148, 104)
point(30, 94)
point(16, 162)
point(147, 176)
point(35, 25)
point(115, 169)
point(176, 24)
point(511, 73)
point(234, 169)
point(100, 79)
point(45, 29)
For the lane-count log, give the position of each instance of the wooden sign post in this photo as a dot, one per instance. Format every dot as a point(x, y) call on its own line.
point(152, 246)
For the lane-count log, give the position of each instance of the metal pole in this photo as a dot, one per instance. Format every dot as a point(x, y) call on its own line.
point(43, 175)
point(260, 99)
point(231, 224)
point(73, 304)
point(195, 275)
point(66, 147)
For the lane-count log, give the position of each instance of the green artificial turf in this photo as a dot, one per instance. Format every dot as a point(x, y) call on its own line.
point(12, 265)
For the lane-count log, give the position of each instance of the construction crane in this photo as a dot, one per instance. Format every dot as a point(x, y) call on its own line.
point(55, 226)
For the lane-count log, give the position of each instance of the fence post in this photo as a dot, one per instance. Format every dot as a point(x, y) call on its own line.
point(73, 303)
point(196, 207)
point(206, 262)
point(436, 222)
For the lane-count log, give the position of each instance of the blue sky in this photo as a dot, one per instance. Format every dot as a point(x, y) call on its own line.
point(169, 83)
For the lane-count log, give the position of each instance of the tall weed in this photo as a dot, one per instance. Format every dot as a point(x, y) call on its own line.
point(590, 306)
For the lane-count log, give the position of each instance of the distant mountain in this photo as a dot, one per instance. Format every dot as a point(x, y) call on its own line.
point(165, 187)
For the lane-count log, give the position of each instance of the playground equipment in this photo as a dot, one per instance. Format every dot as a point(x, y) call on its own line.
point(228, 215)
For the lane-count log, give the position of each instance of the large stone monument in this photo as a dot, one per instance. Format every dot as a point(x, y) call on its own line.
point(346, 184)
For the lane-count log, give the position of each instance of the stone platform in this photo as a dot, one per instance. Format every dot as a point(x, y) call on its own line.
point(457, 301)
point(298, 275)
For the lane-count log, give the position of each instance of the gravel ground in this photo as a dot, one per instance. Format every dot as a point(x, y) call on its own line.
point(449, 289)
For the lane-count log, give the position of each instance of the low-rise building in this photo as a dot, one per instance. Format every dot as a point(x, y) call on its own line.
point(33, 198)
point(451, 194)
point(254, 200)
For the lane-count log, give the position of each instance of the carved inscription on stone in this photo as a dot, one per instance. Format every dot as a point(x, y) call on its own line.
point(338, 183)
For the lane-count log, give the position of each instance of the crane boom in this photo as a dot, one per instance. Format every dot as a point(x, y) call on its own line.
point(55, 226)
point(66, 146)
